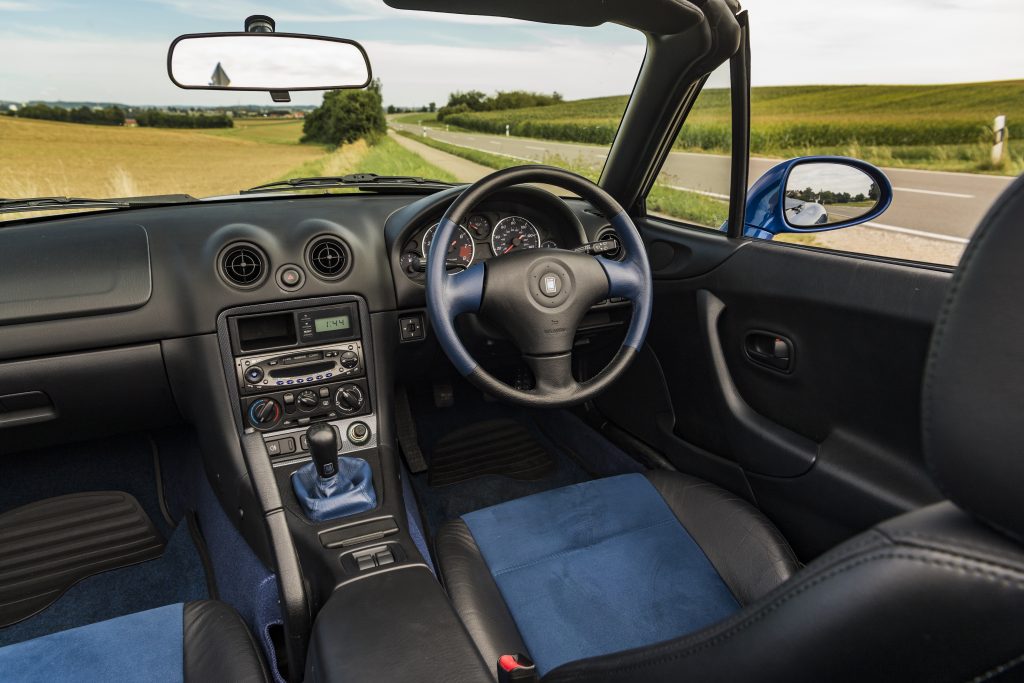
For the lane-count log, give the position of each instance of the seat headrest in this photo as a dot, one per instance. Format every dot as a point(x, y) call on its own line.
point(973, 399)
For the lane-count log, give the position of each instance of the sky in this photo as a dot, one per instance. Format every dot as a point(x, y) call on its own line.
point(107, 50)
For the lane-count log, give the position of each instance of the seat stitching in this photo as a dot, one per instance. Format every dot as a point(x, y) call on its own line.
point(559, 553)
point(768, 609)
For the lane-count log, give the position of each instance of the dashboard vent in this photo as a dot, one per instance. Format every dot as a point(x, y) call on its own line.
point(610, 234)
point(243, 265)
point(328, 257)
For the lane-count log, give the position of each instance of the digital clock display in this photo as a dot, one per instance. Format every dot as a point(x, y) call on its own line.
point(333, 324)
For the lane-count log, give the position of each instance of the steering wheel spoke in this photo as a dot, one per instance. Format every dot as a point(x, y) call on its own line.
point(553, 374)
point(625, 278)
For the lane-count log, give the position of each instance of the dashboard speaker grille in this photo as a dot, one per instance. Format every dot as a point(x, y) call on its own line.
point(243, 265)
point(328, 257)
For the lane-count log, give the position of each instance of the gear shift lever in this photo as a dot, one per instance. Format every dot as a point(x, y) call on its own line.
point(332, 487)
point(323, 446)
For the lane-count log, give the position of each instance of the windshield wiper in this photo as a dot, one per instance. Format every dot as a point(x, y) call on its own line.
point(366, 180)
point(58, 203)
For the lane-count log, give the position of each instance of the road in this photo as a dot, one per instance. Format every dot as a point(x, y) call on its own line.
point(935, 204)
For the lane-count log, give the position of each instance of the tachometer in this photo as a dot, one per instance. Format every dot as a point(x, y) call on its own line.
point(461, 249)
point(512, 233)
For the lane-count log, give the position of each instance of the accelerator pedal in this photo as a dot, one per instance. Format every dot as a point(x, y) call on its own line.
point(48, 546)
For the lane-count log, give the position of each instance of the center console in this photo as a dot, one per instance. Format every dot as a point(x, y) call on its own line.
point(299, 367)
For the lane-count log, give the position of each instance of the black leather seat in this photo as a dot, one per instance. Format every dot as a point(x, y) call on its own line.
point(597, 586)
point(196, 641)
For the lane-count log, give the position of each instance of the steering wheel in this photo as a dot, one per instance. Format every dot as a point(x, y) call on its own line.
point(538, 296)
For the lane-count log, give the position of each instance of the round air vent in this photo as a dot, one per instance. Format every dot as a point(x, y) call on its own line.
point(610, 234)
point(243, 265)
point(328, 257)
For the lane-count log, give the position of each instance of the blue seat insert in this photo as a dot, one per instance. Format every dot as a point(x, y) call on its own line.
point(145, 646)
point(596, 568)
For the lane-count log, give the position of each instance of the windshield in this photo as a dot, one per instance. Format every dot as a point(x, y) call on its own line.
point(89, 110)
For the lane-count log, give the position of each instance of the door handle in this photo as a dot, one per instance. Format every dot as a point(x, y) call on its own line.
point(769, 350)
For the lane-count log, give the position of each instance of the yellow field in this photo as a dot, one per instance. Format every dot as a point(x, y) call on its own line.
point(278, 131)
point(39, 158)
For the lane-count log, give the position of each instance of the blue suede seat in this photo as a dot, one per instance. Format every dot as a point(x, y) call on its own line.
point(596, 568)
point(204, 640)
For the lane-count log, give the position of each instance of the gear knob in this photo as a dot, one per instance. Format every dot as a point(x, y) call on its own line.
point(323, 446)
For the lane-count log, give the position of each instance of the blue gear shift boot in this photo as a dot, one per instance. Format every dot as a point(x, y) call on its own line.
point(348, 492)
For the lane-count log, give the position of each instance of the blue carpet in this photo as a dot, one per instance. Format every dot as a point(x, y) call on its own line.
point(176, 576)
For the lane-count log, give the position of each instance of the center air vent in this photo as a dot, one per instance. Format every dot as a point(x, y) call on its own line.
point(609, 234)
point(328, 257)
point(243, 265)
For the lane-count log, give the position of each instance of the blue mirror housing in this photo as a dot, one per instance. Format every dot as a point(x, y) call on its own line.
point(814, 194)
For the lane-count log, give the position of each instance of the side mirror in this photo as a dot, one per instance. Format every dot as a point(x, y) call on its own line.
point(812, 194)
point(274, 62)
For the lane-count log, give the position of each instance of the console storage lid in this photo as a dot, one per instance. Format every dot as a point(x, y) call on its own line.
point(393, 626)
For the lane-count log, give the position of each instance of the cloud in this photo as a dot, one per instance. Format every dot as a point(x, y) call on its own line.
point(17, 6)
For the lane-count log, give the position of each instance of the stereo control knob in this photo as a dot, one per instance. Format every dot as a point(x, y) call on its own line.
point(307, 400)
point(349, 360)
point(254, 375)
point(264, 413)
point(349, 399)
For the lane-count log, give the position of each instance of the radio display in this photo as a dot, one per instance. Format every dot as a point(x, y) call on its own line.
point(335, 323)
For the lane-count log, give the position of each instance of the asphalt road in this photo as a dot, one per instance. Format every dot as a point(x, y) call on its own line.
point(935, 204)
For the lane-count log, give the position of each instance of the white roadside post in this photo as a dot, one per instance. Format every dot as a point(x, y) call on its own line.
point(506, 130)
point(999, 140)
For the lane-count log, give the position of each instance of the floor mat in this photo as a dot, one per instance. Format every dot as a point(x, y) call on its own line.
point(176, 576)
point(503, 447)
point(50, 545)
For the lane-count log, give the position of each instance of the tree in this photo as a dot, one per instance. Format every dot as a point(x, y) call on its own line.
point(432, 107)
point(346, 116)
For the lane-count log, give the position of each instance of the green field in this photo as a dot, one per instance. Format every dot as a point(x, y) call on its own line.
point(925, 126)
point(689, 206)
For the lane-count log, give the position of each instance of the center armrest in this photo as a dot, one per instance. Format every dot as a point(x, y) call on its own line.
point(393, 626)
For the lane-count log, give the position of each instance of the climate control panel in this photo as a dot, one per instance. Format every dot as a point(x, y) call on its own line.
point(296, 407)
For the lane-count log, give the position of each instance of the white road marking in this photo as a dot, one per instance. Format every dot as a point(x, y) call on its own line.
point(957, 195)
point(716, 195)
point(917, 233)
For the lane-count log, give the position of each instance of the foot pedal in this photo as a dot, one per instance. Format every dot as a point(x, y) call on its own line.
point(49, 546)
point(407, 440)
point(444, 395)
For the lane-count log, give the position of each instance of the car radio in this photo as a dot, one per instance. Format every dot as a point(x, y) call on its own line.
point(310, 365)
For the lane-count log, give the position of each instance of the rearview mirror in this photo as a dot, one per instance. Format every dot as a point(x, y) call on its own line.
point(812, 194)
point(267, 61)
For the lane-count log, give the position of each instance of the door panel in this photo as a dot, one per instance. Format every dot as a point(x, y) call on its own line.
point(826, 446)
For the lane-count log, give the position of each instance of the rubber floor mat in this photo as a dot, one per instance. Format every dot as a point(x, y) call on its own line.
point(504, 447)
point(49, 546)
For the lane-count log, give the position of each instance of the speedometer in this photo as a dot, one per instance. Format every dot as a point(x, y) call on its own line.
point(513, 233)
point(461, 249)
